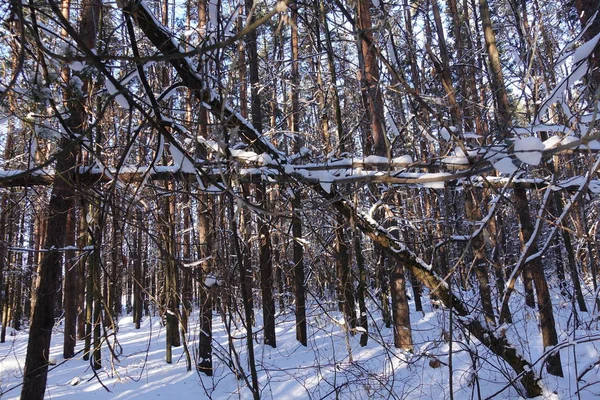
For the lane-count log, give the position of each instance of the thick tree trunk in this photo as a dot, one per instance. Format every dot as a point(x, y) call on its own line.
point(401, 312)
point(50, 271)
point(96, 282)
point(264, 235)
point(170, 290)
point(266, 270)
point(80, 271)
point(547, 324)
point(246, 295)
point(377, 142)
point(344, 141)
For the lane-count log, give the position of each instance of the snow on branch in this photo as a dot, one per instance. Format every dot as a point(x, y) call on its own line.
point(579, 59)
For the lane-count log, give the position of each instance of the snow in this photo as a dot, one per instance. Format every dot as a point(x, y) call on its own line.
point(405, 159)
point(593, 145)
point(529, 150)
point(583, 51)
point(327, 367)
point(445, 134)
point(578, 71)
point(119, 98)
point(210, 281)
point(294, 372)
point(182, 160)
point(552, 142)
point(459, 157)
point(433, 180)
point(506, 166)
point(376, 160)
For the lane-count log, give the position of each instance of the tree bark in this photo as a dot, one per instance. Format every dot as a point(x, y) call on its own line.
point(205, 245)
point(42, 323)
point(298, 247)
point(547, 323)
point(345, 282)
point(377, 142)
point(401, 312)
point(70, 289)
point(473, 214)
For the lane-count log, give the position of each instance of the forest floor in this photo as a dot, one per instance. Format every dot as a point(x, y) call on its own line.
point(332, 366)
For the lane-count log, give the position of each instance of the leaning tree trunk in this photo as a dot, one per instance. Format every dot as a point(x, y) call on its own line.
point(547, 323)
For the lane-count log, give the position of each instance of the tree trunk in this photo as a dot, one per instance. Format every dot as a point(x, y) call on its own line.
point(473, 214)
point(547, 324)
point(301, 334)
point(205, 244)
point(344, 276)
point(377, 143)
point(42, 323)
point(266, 270)
point(298, 247)
point(138, 280)
point(70, 289)
point(401, 312)
point(264, 235)
point(246, 295)
point(361, 289)
point(170, 290)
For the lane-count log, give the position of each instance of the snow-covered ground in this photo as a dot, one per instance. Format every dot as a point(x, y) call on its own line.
point(333, 365)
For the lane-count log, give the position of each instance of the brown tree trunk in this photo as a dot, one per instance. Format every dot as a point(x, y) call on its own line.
point(138, 280)
point(401, 312)
point(61, 201)
point(170, 290)
point(547, 323)
point(473, 214)
point(42, 323)
point(377, 143)
point(264, 235)
point(80, 271)
point(298, 249)
point(70, 289)
point(345, 282)
point(205, 244)
point(344, 141)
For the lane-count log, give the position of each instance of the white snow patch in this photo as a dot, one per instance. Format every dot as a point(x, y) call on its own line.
point(506, 166)
point(529, 150)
